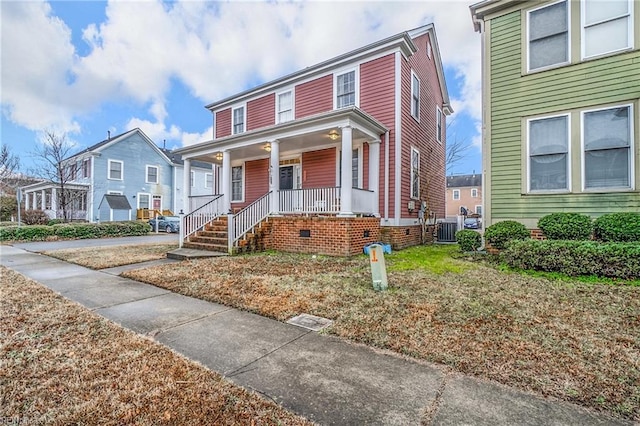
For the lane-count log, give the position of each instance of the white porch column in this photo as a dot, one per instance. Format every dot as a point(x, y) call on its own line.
point(374, 174)
point(186, 187)
point(226, 181)
point(54, 202)
point(35, 200)
point(43, 201)
point(274, 177)
point(346, 187)
point(26, 201)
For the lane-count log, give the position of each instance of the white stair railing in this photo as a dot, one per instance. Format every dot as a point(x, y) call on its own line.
point(247, 218)
point(197, 219)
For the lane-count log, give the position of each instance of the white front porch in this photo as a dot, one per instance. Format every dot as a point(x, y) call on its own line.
point(68, 204)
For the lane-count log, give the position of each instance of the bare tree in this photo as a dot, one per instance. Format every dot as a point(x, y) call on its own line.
point(9, 163)
point(457, 147)
point(49, 157)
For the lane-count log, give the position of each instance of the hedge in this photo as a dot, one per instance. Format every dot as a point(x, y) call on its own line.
point(468, 240)
point(566, 226)
point(574, 258)
point(74, 231)
point(499, 234)
point(617, 227)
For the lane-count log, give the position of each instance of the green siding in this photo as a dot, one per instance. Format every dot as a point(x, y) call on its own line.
point(515, 95)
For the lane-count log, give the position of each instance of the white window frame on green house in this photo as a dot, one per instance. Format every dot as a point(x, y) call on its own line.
point(567, 154)
point(415, 96)
point(339, 95)
point(630, 148)
point(531, 20)
point(238, 121)
point(110, 170)
point(455, 194)
point(608, 29)
point(148, 175)
point(237, 184)
point(439, 116)
point(284, 110)
point(415, 174)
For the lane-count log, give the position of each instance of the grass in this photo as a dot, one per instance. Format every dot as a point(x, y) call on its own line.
point(62, 364)
point(575, 341)
point(112, 256)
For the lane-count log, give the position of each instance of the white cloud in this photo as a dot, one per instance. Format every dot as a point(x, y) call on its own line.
point(214, 49)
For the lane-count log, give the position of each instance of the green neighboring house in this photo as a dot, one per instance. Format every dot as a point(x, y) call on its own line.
point(561, 107)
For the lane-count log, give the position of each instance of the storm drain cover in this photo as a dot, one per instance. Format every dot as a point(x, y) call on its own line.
point(310, 322)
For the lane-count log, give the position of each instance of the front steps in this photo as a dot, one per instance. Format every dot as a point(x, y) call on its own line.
point(214, 237)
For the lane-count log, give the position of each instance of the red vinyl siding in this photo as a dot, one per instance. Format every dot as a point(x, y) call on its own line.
point(422, 134)
point(377, 98)
point(261, 112)
point(314, 97)
point(223, 123)
point(256, 181)
point(319, 168)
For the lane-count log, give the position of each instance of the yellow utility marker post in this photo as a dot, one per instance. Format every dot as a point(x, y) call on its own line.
point(378, 267)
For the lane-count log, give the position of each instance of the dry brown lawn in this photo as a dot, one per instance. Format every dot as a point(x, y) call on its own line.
point(574, 341)
point(112, 256)
point(61, 364)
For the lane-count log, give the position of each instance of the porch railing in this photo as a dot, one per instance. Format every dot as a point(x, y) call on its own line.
point(311, 200)
point(197, 201)
point(199, 217)
point(247, 218)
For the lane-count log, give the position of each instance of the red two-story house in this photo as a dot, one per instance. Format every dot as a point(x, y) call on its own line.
point(334, 156)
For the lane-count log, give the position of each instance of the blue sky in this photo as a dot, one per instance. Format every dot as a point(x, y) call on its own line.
point(83, 68)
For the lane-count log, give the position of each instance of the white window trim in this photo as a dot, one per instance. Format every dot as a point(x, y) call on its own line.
point(293, 105)
point(244, 119)
point(205, 180)
point(632, 178)
point(453, 194)
point(411, 188)
point(146, 175)
point(415, 114)
point(630, 34)
point(476, 210)
point(439, 117)
point(526, 42)
point(360, 165)
point(569, 154)
point(472, 192)
point(138, 200)
point(156, 196)
point(243, 182)
point(340, 72)
point(109, 169)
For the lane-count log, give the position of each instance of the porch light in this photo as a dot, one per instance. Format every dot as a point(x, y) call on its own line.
point(267, 147)
point(333, 134)
point(219, 156)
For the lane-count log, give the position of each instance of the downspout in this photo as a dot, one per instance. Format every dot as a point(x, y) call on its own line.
point(480, 27)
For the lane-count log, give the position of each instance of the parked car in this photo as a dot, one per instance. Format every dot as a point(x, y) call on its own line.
point(471, 223)
point(166, 223)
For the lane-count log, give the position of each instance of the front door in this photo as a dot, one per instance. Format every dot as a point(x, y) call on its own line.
point(286, 177)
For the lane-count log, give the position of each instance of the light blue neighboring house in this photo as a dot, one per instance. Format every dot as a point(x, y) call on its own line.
point(130, 165)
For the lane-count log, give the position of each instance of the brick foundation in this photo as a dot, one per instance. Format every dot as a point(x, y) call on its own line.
point(334, 236)
point(537, 234)
point(401, 236)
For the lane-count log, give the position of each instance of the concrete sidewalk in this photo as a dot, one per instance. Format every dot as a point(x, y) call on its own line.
point(325, 379)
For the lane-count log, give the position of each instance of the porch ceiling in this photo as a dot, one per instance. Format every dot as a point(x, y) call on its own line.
point(309, 133)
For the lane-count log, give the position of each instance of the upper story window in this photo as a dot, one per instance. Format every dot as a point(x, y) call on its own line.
point(86, 168)
point(607, 143)
point(71, 171)
point(238, 120)
point(456, 194)
point(548, 35)
point(152, 174)
point(346, 89)
point(415, 96)
point(284, 106)
point(548, 150)
point(415, 173)
point(116, 170)
point(607, 26)
point(438, 124)
point(474, 192)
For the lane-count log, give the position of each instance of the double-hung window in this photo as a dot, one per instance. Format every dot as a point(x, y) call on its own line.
point(355, 168)
point(456, 194)
point(115, 170)
point(474, 192)
point(548, 152)
point(152, 174)
point(607, 26)
point(346, 89)
point(415, 96)
point(238, 120)
point(415, 173)
point(86, 168)
point(548, 35)
point(607, 143)
point(236, 183)
point(284, 106)
point(208, 180)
